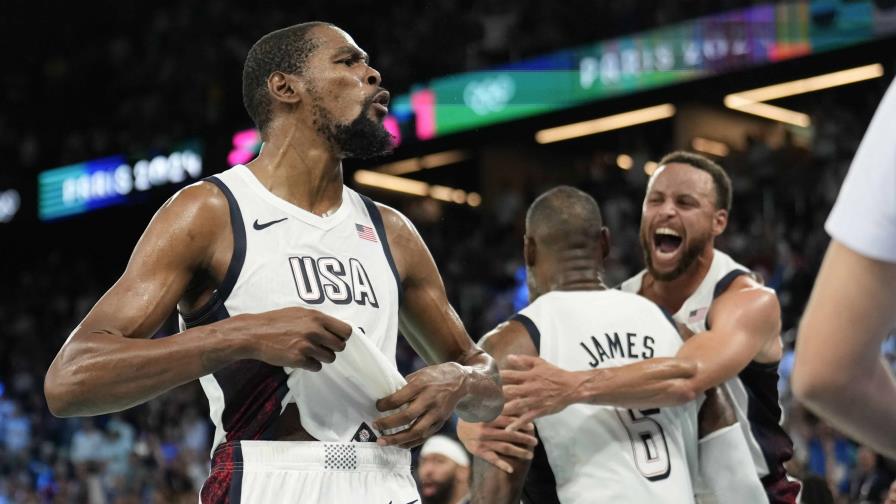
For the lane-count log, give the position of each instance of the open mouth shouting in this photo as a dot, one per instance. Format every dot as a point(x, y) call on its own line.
point(667, 246)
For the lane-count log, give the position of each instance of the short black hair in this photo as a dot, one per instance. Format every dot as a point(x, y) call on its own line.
point(720, 179)
point(565, 216)
point(285, 50)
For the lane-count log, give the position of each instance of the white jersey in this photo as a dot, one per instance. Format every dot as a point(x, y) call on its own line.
point(284, 257)
point(864, 217)
point(754, 390)
point(603, 453)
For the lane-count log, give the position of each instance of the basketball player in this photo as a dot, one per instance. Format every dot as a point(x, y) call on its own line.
point(735, 319)
point(291, 288)
point(592, 453)
point(444, 472)
point(853, 304)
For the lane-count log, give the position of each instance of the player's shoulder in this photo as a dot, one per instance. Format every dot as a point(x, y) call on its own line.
point(510, 337)
point(200, 208)
point(746, 292)
point(396, 223)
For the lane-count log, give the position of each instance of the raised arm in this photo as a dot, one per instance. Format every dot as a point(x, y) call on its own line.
point(460, 374)
point(745, 321)
point(838, 371)
point(109, 364)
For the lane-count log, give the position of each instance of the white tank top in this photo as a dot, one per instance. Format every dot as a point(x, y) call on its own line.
point(603, 453)
point(284, 256)
point(754, 390)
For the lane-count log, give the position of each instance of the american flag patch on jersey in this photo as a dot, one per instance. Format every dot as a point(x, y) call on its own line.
point(366, 232)
point(697, 315)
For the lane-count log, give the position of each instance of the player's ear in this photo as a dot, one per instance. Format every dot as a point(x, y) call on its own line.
point(530, 250)
point(719, 222)
point(285, 88)
point(604, 242)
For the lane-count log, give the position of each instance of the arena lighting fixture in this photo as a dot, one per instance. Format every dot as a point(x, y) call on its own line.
point(776, 113)
point(423, 163)
point(416, 187)
point(616, 121)
point(752, 101)
point(708, 146)
point(650, 167)
point(391, 182)
point(624, 161)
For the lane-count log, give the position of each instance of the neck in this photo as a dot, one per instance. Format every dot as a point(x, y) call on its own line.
point(671, 294)
point(299, 166)
point(573, 277)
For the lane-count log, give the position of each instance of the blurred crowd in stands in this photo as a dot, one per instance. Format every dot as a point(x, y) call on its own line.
point(163, 72)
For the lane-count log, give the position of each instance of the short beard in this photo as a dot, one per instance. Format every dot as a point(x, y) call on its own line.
point(443, 494)
point(688, 258)
point(362, 138)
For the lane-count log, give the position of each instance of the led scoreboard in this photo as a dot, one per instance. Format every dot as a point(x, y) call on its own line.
point(114, 180)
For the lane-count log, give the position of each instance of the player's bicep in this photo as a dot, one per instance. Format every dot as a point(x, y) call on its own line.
point(426, 318)
point(742, 324)
point(176, 242)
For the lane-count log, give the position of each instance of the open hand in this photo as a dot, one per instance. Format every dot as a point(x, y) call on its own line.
point(534, 388)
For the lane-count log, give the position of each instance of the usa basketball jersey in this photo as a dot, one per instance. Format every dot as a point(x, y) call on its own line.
point(284, 256)
point(754, 390)
point(590, 453)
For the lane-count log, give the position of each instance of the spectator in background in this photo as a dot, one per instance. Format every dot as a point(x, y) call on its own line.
point(871, 481)
point(444, 471)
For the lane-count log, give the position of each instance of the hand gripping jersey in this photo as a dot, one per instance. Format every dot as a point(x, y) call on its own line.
point(285, 257)
point(591, 453)
point(754, 390)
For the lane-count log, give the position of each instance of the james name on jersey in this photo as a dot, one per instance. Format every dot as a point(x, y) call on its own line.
point(329, 278)
point(629, 346)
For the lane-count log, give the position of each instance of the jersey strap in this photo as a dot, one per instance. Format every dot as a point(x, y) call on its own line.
point(377, 220)
point(237, 258)
point(531, 328)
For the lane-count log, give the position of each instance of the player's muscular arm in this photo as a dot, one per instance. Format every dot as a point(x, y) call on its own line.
point(108, 364)
point(744, 321)
point(501, 461)
point(724, 459)
point(460, 374)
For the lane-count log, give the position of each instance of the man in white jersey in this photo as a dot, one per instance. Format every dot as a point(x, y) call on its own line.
point(838, 371)
point(291, 289)
point(735, 319)
point(593, 453)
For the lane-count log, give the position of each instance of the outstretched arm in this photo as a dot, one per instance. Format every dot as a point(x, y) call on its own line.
point(744, 320)
point(838, 371)
point(461, 375)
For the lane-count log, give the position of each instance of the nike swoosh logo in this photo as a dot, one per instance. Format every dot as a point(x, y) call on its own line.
point(259, 227)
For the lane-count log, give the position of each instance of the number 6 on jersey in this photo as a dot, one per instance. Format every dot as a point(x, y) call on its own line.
point(648, 442)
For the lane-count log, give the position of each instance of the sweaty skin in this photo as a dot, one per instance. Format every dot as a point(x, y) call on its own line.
point(109, 363)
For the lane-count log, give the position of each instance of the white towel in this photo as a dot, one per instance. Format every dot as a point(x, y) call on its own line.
point(335, 402)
